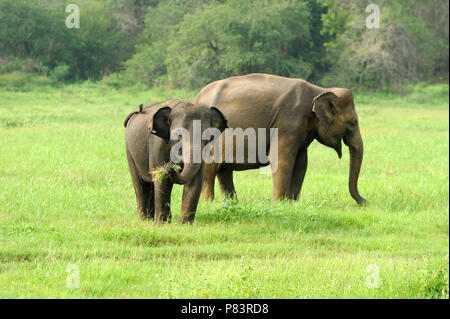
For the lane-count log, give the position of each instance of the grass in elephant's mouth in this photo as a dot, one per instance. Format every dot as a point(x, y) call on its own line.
point(159, 173)
point(67, 207)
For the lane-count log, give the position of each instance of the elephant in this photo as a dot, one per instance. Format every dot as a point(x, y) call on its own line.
point(148, 144)
point(300, 111)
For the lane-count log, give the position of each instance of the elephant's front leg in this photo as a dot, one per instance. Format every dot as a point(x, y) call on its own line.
point(191, 195)
point(282, 167)
point(282, 178)
point(163, 190)
point(301, 163)
point(143, 191)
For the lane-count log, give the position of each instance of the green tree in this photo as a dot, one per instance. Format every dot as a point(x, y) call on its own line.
point(403, 49)
point(209, 40)
point(36, 30)
point(98, 46)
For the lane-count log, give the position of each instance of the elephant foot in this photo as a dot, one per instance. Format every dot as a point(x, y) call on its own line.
point(231, 197)
point(145, 215)
point(187, 218)
point(163, 218)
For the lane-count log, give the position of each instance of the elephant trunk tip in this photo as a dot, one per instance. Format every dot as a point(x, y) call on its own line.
point(360, 200)
point(185, 176)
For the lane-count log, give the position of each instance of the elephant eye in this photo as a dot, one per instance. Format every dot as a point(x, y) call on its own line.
point(352, 123)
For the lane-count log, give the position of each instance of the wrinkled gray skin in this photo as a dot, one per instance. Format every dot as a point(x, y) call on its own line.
point(301, 111)
point(148, 147)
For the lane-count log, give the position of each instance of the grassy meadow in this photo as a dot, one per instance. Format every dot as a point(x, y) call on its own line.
point(66, 199)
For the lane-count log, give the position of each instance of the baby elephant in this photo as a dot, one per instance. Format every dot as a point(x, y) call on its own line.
point(148, 147)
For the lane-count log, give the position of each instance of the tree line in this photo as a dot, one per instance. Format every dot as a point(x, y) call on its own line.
point(189, 43)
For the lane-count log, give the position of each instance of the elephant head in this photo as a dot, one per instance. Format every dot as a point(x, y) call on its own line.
point(336, 120)
point(194, 120)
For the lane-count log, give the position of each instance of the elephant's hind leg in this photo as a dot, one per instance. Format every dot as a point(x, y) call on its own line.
point(209, 175)
point(225, 177)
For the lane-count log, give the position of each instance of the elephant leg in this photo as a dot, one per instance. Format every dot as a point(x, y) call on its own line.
point(301, 163)
point(282, 179)
point(163, 190)
point(225, 177)
point(209, 175)
point(191, 195)
point(143, 191)
point(282, 175)
point(149, 189)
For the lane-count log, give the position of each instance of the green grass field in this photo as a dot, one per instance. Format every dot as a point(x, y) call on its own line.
point(66, 198)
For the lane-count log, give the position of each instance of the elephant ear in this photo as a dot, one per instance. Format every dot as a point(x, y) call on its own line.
point(131, 115)
point(159, 123)
point(218, 119)
point(324, 105)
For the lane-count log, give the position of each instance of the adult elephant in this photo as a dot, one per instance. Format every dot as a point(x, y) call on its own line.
point(300, 111)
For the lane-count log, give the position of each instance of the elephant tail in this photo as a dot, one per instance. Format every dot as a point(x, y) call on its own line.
point(131, 114)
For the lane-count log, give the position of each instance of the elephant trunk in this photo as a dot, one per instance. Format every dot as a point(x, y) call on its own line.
point(356, 147)
point(191, 165)
point(186, 175)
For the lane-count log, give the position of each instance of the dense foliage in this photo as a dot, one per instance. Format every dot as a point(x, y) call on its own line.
point(34, 38)
point(188, 43)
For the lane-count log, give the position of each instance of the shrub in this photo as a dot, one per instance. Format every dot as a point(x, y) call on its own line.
point(60, 73)
point(22, 81)
point(434, 279)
